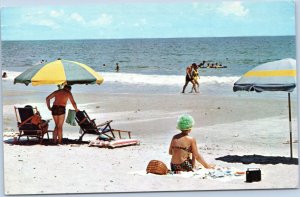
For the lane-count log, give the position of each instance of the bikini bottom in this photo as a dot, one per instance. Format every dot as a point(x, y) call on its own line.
point(58, 110)
point(184, 166)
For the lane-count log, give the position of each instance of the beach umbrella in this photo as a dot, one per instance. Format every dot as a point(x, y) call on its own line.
point(272, 76)
point(59, 72)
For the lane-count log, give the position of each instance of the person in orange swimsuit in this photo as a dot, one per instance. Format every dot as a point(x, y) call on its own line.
point(58, 110)
point(183, 147)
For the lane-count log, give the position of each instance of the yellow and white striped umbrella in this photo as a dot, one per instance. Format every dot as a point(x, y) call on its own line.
point(59, 72)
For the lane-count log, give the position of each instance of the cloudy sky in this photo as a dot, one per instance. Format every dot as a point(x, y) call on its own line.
point(151, 19)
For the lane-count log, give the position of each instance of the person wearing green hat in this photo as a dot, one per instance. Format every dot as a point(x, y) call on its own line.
point(183, 147)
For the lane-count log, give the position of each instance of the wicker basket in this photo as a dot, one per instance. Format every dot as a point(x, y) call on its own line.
point(157, 167)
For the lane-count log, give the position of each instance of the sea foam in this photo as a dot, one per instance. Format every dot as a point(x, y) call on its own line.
point(154, 80)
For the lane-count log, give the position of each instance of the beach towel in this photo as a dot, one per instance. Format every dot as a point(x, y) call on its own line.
point(114, 143)
point(223, 174)
point(220, 173)
point(71, 117)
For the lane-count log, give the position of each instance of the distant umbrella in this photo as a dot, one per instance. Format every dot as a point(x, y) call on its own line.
point(59, 72)
point(272, 76)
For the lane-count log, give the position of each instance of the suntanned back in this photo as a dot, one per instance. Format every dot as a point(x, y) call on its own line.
point(61, 97)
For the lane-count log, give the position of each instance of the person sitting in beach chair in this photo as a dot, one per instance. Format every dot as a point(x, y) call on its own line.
point(183, 147)
point(30, 123)
point(104, 130)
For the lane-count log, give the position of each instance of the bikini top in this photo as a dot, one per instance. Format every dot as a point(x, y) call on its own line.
point(195, 73)
point(189, 149)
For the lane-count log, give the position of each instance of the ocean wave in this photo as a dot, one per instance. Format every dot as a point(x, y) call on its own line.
point(155, 80)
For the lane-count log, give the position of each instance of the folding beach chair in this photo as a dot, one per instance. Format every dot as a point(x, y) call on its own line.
point(30, 123)
point(104, 130)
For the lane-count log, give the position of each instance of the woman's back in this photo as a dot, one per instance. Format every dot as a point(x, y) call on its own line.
point(181, 146)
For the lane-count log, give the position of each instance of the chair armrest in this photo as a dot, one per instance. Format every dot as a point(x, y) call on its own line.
point(111, 138)
point(120, 131)
point(94, 123)
point(25, 121)
point(82, 121)
point(44, 123)
point(105, 123)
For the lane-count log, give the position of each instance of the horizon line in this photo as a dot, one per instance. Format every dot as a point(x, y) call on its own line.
point(152, 38)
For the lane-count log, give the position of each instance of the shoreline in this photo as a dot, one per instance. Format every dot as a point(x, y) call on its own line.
point(108, 105)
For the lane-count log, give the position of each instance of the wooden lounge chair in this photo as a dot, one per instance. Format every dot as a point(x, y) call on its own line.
point(88, 126)
point(30, 123)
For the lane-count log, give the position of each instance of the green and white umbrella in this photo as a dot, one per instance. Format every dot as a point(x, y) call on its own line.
point(272, 76)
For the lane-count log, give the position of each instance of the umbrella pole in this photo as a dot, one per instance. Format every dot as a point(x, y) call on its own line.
point(290, 124)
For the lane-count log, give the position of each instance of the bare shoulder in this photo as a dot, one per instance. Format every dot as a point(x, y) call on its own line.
point(191, 139)
point(177, 136)
point(174, 137)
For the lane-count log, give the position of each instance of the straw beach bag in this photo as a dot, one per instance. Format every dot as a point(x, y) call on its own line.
point(157, 167)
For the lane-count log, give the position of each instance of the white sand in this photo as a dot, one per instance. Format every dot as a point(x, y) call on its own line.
point(225, 126)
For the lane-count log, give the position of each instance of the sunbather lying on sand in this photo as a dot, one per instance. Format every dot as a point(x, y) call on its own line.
point(183, 147)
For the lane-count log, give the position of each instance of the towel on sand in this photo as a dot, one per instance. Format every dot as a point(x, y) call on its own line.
point(71, 117)
point(226, 173)
point(114, 143)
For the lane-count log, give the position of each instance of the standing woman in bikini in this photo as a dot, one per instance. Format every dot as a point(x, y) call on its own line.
point(195, 77)
point(183, 147)
point(58, 110)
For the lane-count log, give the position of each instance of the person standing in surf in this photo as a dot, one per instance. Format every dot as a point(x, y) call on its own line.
point(195, 77)
point(189, 77)
point(117, 67)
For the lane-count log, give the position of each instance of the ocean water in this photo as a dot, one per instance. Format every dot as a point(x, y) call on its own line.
point(157, 64)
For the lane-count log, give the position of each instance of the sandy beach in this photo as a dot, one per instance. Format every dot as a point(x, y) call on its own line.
point(255, 130)
point(129, 61)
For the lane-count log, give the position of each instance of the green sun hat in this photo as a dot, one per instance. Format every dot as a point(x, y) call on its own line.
point(185, 122)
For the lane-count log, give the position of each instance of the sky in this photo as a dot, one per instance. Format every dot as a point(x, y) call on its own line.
point(148, 19)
